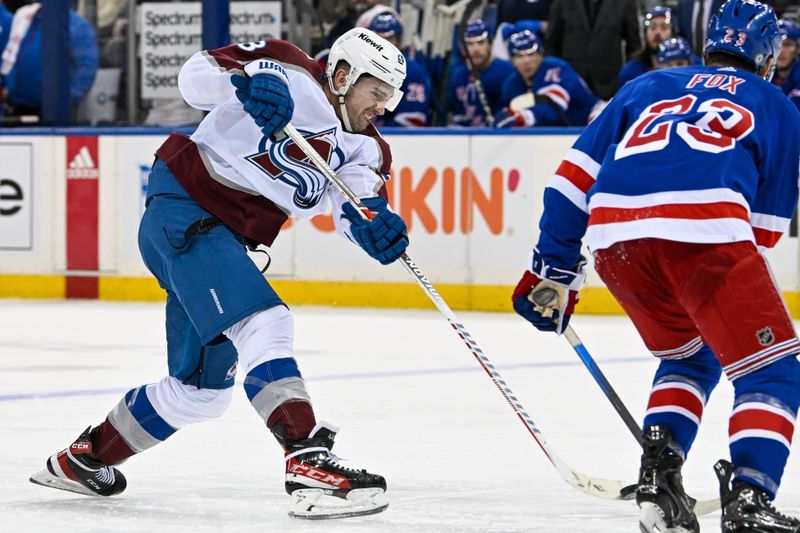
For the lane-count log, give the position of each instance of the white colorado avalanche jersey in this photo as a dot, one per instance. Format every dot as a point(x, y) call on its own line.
point(237, 154)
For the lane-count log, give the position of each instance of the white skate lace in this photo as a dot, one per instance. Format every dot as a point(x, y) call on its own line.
point(336, 461)
point(106, 475)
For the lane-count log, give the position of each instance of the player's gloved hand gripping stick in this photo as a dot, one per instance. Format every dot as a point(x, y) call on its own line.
point(383, 234)
point(264, 94)
point(602, 488)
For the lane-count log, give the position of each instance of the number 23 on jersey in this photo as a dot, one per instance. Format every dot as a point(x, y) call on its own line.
point(721, 124)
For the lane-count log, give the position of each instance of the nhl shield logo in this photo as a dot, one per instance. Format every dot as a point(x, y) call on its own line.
point(765, 336)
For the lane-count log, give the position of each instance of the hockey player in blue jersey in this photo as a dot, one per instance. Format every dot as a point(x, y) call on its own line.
point(659, 25)
point(414, 110)
point(544, 91)
point(464, 103)
point(674, 52)
point(787, 75)
point(676, 187)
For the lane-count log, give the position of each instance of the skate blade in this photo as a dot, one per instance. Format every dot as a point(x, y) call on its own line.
point(651, 520)
point(314, 504)
point(46, 479)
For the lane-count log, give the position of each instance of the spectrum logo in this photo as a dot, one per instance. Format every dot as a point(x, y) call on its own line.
point(445, 200)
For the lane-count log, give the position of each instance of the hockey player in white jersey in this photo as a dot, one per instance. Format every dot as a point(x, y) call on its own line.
point(232, 184)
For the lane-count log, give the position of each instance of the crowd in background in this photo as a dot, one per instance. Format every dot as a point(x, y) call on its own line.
point(514, 63)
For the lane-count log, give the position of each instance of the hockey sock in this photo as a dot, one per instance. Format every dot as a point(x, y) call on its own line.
point(131, 427)
point(681, 388)
point(278, 393)
point(762, 423)
point(108, 446)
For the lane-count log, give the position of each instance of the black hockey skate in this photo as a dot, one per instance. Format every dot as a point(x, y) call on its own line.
point(664, 506)
point(321, 488)
point(76, 470)
point(747, 509)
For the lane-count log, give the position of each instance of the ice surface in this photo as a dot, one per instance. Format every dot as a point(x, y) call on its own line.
point(412, 403)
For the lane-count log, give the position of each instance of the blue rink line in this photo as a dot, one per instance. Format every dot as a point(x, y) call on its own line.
point(331, 377)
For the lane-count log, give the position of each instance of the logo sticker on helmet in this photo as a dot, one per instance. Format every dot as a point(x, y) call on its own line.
point(364, 37)
point(730, 32)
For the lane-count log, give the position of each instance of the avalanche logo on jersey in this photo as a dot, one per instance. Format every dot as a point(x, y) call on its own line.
point(285, 161)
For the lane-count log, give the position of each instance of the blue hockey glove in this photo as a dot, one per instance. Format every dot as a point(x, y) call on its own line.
point(514, 119)
point(265, 96)
point(385, 237)
point(546, 296)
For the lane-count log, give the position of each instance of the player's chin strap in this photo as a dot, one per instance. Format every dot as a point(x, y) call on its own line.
point(340, 94)
point(343, 112)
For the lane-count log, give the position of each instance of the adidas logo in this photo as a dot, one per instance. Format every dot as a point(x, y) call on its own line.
point(82, 166)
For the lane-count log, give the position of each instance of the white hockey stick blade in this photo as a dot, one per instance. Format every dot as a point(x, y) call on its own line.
point(706, 507)
point(612, 489)
point(315, 504)
point(523, 101)
point(46, 479)
point(607, 489)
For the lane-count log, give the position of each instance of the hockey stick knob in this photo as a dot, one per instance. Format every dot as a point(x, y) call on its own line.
point(544, 296)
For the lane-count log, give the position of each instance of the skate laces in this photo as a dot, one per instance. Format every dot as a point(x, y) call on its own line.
point(335, 460)
point(102, 473)
point(764, 500)
point(106, 475)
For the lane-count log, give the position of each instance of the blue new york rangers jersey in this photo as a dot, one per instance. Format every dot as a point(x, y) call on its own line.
point(465, 105)
point(414, 110)
point(557, 80)
point(790, 85)
point(693, 154)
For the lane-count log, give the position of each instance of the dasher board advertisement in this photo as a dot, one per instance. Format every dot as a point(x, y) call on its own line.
point(16, 196)
point(171, 32)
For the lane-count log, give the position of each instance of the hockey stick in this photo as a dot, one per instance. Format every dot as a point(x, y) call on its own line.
point(602, 488)
point(545, 296)
point(528, 99)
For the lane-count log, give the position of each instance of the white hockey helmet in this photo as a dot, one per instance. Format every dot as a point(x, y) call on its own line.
point(367, 53)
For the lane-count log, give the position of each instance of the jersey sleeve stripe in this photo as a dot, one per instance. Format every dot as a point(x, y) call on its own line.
point(570, 191)
point(584, 161)
point(576, 175)
point(557, 93)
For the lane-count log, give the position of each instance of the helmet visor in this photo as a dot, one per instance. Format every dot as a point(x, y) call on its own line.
point(385, 95)
point(393, 100)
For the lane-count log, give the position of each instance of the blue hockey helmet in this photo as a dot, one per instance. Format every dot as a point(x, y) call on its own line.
point(789, 29)
point(477, 30)
point(656, 12)
point(386, 25)
point(747, 29)
point(523, 43)
point(674, 49)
